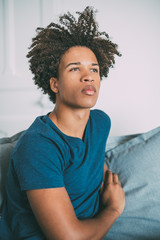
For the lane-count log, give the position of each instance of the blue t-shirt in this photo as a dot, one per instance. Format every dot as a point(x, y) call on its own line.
point(44, 157)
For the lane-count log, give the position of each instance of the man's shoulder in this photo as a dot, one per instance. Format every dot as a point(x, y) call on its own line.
point(39, 135)
point(100, 115)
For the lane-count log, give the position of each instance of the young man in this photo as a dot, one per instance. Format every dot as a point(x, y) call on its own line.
point(58, 186)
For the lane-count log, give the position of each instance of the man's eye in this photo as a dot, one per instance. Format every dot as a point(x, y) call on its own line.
point(94, 70)
point(74, 69)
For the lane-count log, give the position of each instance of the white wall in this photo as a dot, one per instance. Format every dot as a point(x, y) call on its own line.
point(131, 93)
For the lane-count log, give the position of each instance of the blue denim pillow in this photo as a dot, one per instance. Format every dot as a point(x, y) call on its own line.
point(137, 162)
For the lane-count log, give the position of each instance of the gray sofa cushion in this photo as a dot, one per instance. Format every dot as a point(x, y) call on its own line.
point(137, 163)
point(6, 146)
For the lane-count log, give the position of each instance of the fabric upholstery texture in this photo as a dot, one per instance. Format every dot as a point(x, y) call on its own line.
point(137, 162)
point(6, 146)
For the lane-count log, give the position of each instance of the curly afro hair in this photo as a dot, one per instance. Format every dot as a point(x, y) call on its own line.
point(53, 41)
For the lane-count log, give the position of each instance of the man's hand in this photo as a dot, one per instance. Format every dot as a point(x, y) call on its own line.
point(112, 194)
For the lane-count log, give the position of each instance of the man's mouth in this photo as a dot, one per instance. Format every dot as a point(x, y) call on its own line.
point(89, 90)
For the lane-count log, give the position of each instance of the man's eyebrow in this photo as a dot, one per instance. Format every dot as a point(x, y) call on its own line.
point(74, 63)
point(78, 63)
point(95, 64)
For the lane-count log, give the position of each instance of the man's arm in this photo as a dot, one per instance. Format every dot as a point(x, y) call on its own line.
point(56, 216)
point(105, 168)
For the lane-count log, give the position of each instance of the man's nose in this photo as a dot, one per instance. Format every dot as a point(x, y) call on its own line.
point(87, 78)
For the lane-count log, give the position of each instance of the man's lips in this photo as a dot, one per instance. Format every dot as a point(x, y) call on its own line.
point(89, 90)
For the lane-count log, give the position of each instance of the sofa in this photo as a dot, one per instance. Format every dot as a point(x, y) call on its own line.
point(136, 159)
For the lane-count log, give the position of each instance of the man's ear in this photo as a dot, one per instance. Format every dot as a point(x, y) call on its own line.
point(54, 84)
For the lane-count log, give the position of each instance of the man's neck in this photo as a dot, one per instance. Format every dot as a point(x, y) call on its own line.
point(71, 122)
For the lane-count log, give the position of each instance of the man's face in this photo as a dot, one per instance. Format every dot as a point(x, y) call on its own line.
point(79, 78)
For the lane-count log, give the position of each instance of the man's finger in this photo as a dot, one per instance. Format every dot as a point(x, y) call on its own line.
point(109, 177)
point(115, 178)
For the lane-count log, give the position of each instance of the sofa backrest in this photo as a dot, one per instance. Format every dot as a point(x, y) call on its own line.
point(6, 146)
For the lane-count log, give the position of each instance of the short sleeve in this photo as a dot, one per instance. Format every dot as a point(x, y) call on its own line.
point(105, 118)
point(38, 163)
point(103, 121)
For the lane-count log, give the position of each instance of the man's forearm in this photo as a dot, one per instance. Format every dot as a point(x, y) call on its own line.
point(95, 228)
